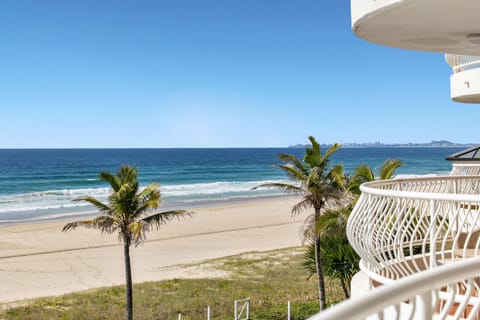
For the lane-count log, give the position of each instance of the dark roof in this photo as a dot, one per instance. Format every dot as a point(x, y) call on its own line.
point(470, 154)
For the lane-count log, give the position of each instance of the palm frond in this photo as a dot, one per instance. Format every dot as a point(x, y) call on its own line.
point(137, 232)
point(73, 225)
point(97, 203)
point(148, 204)
point(158, 219)
point(354, 187)
point(308, 260)
point(288, 188)
point(124, 201)
point(301, 206)
point(387, 171)
point(329, 152)
point(292, 159)
point(152, 190)
point(313, 155)
point(106, 224)
point(364, 172)
point(128, 175)
point(292, 171)
point(148, 199)
point(125, 174)
point(337, 176)
point(114, 181)
point(333, 221)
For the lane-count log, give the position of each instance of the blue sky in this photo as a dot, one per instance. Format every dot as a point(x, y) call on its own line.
point(179, 73)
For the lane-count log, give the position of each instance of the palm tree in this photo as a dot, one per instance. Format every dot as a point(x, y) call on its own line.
point(129, 213)
point(317, 183)
point(339, 260)
point(363, 173)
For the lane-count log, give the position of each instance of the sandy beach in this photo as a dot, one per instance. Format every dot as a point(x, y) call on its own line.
point(39, 260)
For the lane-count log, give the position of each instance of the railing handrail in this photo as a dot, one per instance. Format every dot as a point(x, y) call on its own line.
point(373, 188)
point(458, 62)
point(380, 298)
point(459, 68)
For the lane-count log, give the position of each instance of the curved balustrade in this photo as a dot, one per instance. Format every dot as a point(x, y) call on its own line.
point(402, 227)
point(448, 292)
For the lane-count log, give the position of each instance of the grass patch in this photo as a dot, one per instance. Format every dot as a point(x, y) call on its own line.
point(269, 279)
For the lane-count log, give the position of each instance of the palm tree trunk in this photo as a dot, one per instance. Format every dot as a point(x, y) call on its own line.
point(128, 280)
point(345, 288)
point(318, 264)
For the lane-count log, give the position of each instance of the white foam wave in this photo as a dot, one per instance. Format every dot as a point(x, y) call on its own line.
point(429, 175)
point(49, 201)
point(27, 207)
point(43, 217)
point(67, 192)
point(211, 188)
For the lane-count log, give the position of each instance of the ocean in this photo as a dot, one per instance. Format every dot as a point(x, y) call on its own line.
point(39, 184)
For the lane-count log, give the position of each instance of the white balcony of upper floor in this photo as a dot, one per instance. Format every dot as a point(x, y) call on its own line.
point(425, 25)
point(405, 226)
point(465, 79)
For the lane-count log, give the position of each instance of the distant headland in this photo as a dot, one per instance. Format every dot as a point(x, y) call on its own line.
point(433, 143)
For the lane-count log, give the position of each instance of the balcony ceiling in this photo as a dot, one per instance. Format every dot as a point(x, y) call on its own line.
point(451, 26)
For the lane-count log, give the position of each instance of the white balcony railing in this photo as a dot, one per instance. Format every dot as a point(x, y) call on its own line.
point(461, 63)
point(447, 292)
point(402, 227)
point(465, 169)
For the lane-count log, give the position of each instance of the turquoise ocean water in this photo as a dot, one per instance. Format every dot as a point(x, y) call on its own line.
point(40, 184)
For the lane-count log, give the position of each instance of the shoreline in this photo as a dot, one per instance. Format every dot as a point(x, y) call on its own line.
point(39, 260)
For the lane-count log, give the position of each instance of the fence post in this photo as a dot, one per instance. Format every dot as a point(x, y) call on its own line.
point(236, 310)
point(179, 316)
point(245, 307)
point(288, 310)
point(208, 313)
point(433, 233)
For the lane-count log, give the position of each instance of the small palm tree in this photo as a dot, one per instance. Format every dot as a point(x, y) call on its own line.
point(339, 260)
point(317, 183)
point(128, 213)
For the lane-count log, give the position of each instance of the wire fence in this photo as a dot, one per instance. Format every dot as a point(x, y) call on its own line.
point(241, 310)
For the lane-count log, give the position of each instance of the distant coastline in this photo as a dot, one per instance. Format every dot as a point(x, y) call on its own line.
point(433, 144)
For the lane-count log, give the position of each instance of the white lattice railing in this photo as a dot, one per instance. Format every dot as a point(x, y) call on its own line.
point(465, 169)
point(461, 63)
point(447, 292)
point(402, 227)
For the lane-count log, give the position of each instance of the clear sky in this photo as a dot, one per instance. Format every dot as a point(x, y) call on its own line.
point(177, 73)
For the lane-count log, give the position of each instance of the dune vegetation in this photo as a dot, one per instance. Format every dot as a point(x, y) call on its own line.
point(269, 279)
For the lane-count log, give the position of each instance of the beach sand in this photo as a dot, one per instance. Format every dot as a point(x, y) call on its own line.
point(39, 260)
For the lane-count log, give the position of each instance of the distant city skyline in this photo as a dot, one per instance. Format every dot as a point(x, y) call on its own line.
point(113, 74)
point(439, 143)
